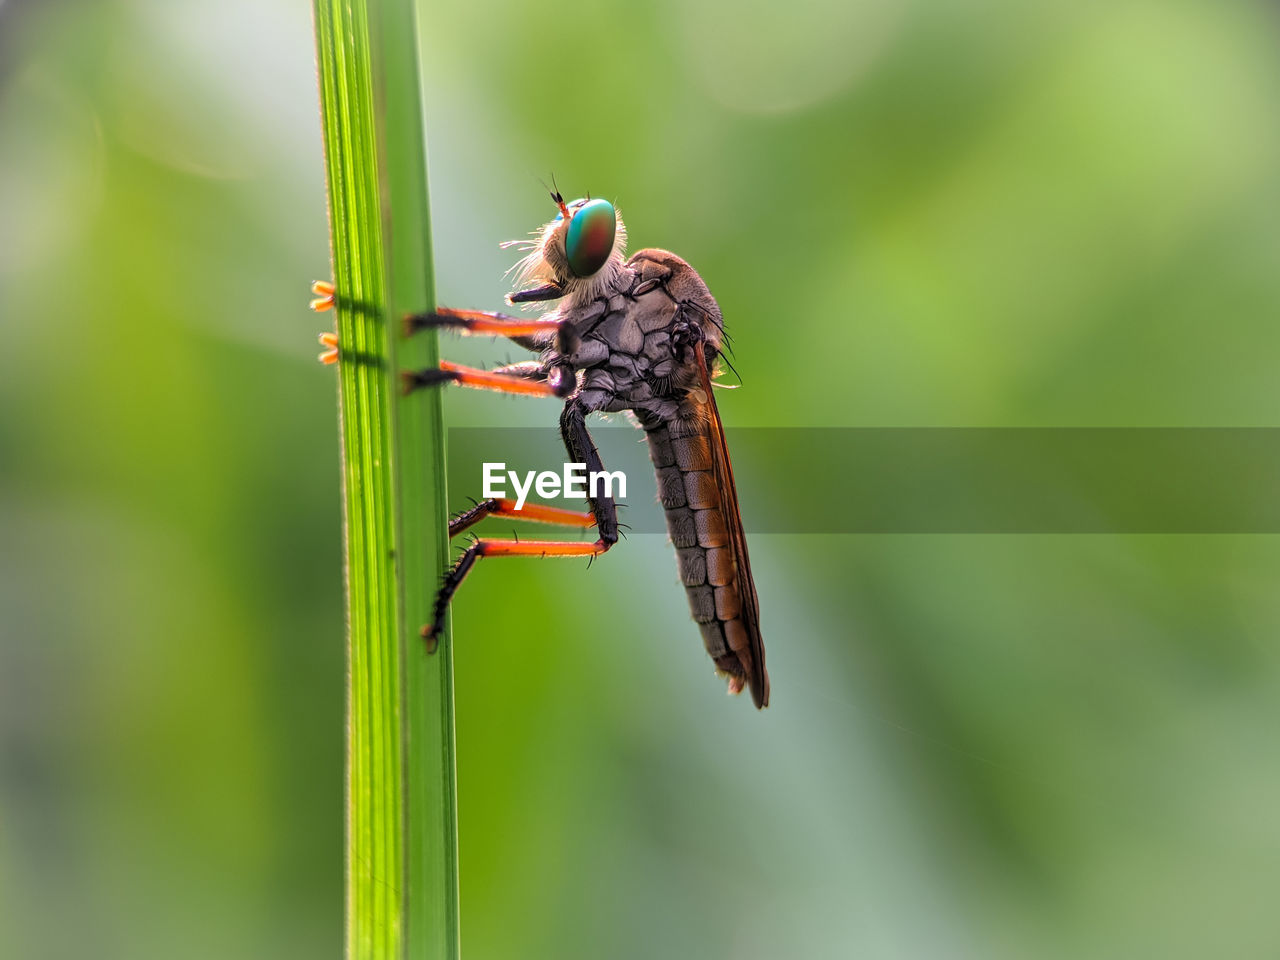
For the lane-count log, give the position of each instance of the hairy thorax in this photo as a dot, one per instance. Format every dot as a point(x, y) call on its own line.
point(626, 359)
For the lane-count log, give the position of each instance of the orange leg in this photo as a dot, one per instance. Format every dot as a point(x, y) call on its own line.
point(533, 335)
point(534, 512)
point(482, 323)
point(500, 548)
point(486, 380)
point(578, 443)
point(538, 548)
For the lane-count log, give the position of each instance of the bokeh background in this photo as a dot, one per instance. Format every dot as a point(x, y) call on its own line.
point(962, 213)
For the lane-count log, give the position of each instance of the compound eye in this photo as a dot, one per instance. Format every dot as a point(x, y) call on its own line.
point(589, 240)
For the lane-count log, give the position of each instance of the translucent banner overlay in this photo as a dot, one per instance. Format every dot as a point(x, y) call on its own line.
point(938, 480)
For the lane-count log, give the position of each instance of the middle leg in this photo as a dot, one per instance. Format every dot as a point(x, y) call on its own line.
point(559, 381)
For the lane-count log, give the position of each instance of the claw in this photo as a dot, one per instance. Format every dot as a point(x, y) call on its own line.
point(324, 292)
point(330, 342)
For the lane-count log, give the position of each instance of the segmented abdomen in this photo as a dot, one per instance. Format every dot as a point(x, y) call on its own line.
point(681, 455)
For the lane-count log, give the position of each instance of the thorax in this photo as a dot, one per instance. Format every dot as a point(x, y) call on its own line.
point(625, 358)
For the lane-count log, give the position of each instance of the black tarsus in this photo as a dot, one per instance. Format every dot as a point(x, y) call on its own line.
point(457, 573)
point(411, 380)
point(469, 518)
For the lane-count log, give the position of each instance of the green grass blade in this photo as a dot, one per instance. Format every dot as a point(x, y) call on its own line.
point(402, 888)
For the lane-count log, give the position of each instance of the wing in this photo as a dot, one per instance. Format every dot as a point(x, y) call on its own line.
point(750, 654)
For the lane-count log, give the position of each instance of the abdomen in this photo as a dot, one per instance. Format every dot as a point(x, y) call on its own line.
point(681, 456)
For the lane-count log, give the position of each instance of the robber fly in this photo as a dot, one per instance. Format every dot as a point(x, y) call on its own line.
point(642, 335)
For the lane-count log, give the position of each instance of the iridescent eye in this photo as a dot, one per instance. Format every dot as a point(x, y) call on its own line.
point(589, 240)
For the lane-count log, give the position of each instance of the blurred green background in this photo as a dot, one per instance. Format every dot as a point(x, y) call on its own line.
point(967, 213)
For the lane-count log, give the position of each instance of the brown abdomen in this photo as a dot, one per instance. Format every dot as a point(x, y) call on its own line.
point(681, 455)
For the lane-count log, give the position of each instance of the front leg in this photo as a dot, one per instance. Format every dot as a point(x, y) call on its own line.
point(556, 381)
point(533, 335)
point(550, 291)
